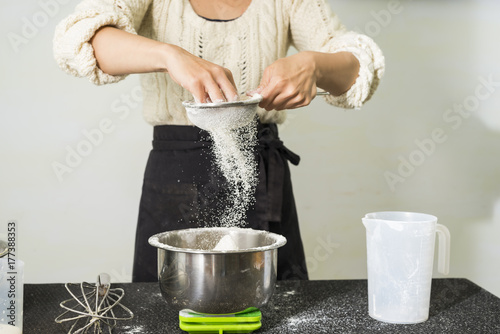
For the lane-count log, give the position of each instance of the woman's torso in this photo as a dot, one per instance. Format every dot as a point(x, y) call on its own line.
point(245, 45)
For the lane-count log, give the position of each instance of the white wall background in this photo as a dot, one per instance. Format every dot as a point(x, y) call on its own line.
point(437, 52)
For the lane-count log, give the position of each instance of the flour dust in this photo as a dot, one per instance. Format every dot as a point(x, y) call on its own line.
point(234, 157)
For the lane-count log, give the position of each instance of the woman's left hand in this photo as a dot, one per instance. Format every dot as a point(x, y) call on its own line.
point(288, 83)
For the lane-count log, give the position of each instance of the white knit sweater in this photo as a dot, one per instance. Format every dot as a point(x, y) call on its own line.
point(246, 46)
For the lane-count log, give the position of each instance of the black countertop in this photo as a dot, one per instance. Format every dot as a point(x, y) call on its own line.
point(337, 306)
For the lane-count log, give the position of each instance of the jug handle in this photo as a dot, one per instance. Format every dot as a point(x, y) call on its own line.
point(444, 249)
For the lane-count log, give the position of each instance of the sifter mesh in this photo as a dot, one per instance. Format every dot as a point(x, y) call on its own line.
point(227, 115)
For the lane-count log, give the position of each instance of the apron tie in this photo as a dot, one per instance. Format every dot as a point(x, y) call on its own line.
point(272, 155)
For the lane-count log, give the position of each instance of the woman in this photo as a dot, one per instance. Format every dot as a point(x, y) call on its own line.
point(211, 50)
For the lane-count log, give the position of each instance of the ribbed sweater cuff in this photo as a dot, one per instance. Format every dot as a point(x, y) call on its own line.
point(72, 49)
point(371, 69)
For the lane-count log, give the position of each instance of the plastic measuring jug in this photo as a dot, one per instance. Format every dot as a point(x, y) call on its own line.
point(400, 254)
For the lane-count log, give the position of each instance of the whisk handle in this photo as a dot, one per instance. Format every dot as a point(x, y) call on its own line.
point(103, 279)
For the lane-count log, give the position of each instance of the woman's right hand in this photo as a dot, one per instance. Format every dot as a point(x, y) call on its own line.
point(208, 82)
point(119, 52)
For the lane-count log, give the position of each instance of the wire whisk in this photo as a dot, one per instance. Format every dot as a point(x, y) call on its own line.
point(94, 308)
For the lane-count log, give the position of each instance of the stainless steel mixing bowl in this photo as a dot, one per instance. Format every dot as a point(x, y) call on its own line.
point(194, 276)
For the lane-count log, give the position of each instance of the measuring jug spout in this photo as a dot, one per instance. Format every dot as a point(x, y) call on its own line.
point(365, 222)
point(370, 224)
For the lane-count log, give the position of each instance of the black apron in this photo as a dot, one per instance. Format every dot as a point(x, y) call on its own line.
point(181, 190)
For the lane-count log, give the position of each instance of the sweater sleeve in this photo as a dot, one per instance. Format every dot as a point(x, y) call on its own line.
point(314, 27)
point(72, 49)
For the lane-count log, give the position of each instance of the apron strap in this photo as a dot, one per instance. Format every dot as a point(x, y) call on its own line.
point(272, 158)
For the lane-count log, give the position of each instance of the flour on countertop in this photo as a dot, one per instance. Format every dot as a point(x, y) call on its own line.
point(133, 330)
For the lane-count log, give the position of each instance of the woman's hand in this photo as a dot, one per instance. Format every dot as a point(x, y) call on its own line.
point(291, 82)
point(207, 81)
point(288, 82)
point(119, 52)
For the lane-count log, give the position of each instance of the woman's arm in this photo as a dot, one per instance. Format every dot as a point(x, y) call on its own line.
point(118, 52)
point(291, 82)
point(99, 41)
point(335, 72)
point(346, 64)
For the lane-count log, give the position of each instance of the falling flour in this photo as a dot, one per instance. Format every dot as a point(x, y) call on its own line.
point(234, 157)
point(232, 127)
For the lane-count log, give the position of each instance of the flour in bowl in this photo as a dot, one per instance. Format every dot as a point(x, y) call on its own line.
point(226, 243)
